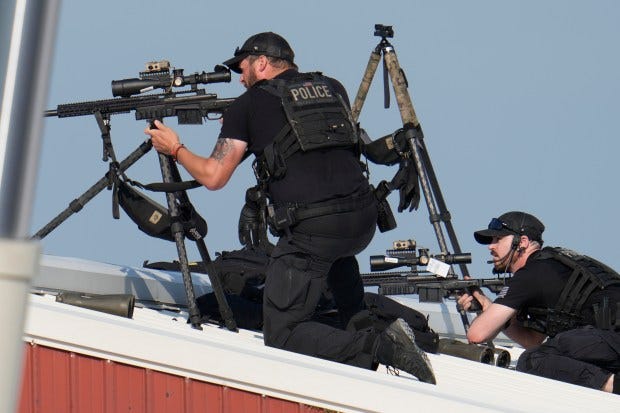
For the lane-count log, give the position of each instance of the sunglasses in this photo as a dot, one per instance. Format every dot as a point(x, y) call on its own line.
point(497, 225)
point(239, 50)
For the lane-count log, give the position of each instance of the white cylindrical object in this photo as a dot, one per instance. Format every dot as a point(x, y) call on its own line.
point(19, 262)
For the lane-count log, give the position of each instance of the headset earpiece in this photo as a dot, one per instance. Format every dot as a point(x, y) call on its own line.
point(516, 240)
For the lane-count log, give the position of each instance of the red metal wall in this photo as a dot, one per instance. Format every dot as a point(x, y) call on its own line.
point(57, 381)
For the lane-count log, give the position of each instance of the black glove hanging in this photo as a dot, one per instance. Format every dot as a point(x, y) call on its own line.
point(408, 184)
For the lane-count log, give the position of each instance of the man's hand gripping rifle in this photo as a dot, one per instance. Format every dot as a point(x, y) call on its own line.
point(432, 284)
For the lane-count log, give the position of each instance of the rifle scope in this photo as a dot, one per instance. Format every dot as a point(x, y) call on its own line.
point(165, 80)
point(386, 262)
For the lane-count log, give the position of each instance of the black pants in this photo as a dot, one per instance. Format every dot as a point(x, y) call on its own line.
point(247, 306)
point(586, 356)
point(296, 277)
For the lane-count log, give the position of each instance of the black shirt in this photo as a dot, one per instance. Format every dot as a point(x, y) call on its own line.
point(257, 116)
point(539, 283)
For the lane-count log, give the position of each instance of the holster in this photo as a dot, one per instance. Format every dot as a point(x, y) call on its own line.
point(385, 217)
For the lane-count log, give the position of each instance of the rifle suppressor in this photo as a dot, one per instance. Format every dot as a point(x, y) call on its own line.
point(115, 304)
point(481, 354)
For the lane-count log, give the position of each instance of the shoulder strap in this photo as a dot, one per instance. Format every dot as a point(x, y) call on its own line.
point(276, 87)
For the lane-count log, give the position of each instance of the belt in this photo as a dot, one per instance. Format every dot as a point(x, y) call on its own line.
point(332, 206)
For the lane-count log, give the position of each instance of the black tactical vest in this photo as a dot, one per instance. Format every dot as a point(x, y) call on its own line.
point(587, 277)
point(318, 118)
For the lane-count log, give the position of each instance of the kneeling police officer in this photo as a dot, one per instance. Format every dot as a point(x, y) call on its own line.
point(320, 203)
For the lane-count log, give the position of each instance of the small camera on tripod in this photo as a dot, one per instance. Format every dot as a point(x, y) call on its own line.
point(383, 31)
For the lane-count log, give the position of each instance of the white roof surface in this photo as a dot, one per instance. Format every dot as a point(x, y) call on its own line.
point(162, 340)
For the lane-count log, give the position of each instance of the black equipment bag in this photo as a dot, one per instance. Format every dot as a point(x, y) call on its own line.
point(154, 219)
point(242, 272)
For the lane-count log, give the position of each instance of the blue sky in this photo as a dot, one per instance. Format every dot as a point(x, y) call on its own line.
point(518, 102)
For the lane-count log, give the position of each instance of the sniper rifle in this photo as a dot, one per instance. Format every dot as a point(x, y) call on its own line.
point(429, 286)
point(188, 106)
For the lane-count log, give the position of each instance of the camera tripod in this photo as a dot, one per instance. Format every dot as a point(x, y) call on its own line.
point(435, 202)
point(437, 209)
point(175, 200)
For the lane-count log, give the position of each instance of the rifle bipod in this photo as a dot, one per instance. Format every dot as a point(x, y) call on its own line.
point(428, 180)
point(117, 170)
point(176, 201)
point(105, 182)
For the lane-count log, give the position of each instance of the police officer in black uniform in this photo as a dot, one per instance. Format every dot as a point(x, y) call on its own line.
point(319, 202)
point(571, 300)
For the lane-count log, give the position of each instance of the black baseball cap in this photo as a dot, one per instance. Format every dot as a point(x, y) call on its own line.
point(512, 223)
point(267, 43)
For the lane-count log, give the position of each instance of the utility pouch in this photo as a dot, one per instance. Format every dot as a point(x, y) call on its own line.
point(281, 218)
point(385, 217)
point(151, 218)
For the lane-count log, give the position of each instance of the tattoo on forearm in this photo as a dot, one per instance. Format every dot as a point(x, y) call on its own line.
point(223, 146)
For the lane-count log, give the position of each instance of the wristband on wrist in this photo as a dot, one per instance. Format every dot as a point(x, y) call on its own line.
point(175, 151)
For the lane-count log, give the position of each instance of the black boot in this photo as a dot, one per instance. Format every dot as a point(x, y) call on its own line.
point(396, 348)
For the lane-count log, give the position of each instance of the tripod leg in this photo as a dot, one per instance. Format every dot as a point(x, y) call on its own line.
point(214, 277)
point(408, 115)
point(422, 160)
point(444, 214)
point(179, 238)
point(405, 106)
point(371, 68)
point(409, 118)
point(172, 175)
point(77, 204)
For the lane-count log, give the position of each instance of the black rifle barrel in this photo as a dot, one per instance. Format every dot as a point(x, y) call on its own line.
point(397, 283)
point(398, 277)
point(167, 105)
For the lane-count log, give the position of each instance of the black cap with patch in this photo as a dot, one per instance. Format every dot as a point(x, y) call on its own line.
point(512, 223)
point(267, 43)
